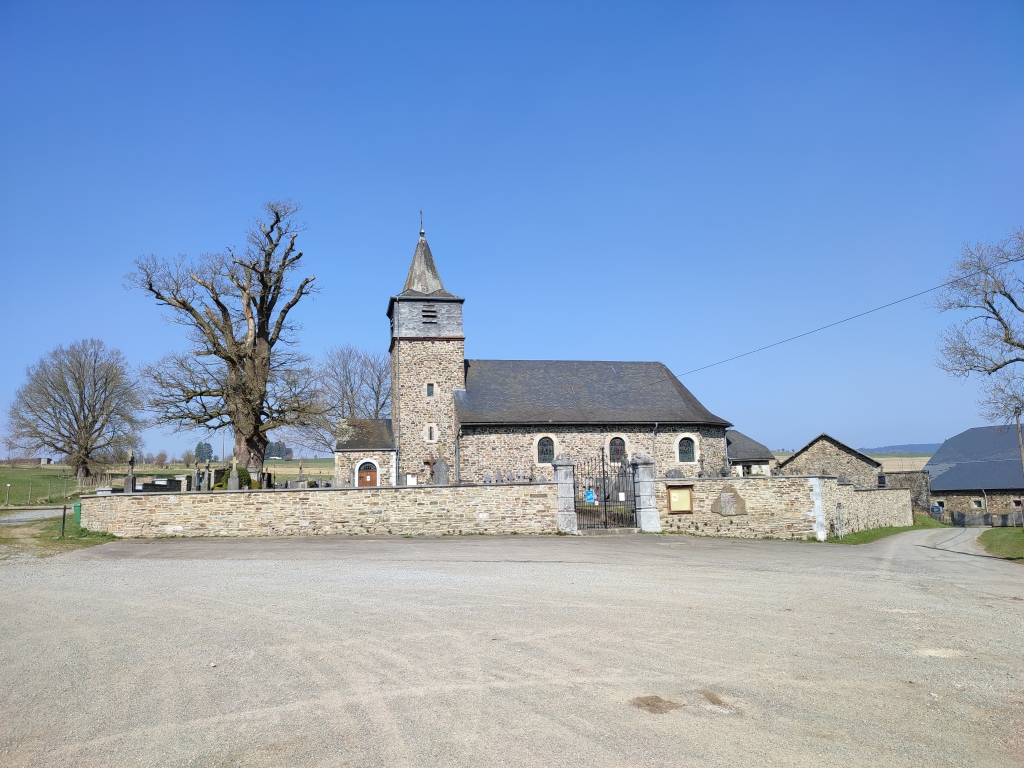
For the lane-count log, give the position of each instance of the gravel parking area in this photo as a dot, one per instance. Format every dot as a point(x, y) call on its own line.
point(549, 651)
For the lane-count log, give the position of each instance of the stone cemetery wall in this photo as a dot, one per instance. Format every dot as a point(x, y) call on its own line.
point(867, 508)
point(781, 507)
point(417, 510)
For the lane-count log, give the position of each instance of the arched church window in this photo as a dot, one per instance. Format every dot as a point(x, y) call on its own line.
point(686, 450)
point(617, 450)
point(545, 450)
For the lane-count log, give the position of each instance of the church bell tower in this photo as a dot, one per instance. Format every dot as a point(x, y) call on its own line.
point(427, 365)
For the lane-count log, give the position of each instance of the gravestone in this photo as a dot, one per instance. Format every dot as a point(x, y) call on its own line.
point(233, 479)
point(487, 477)
point(441, 472)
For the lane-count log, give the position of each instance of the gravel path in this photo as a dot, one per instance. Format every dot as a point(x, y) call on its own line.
point(514, 651)
point(28, 515)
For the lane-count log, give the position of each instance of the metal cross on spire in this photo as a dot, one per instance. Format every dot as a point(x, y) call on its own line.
point(422, 231)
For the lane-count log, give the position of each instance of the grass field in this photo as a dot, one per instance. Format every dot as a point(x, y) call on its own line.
point(42, 538)
point(866, 537)
point(55, 483)
point(1004, 542)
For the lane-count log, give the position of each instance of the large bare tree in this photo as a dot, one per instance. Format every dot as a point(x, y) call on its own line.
point(82, 402)
point(352, 384)
point(241, 369)
point(987, 286)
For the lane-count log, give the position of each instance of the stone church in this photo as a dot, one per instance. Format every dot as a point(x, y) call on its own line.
point(471, 421)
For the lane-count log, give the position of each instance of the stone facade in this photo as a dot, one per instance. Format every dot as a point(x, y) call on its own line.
point(777, 507)
point(347, 462)
point(412, 511)
point(978, 502)
point(513, 448)
point(825, 456)
point(425, 424)
point(919, 484)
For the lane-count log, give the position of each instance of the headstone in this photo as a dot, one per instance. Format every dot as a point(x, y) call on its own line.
point(521, 476)
point(499, 477)
point(441, 472)
point(233, 479)
point(487, 477)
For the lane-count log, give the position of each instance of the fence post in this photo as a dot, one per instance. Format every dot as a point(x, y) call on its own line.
point(646, 509)
point(566, 494)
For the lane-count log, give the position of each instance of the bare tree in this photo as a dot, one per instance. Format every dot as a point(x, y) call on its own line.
point(240, 369)
point(82, 403)
point(376, 389)
point(352, 384)
point(986, 283)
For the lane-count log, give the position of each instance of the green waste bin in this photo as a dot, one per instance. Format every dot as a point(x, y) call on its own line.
point(77, 506)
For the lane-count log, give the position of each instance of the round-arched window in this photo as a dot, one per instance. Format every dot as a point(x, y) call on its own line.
point(617, 450)
point(545, 450)
point(367, 467)
point(686, 450)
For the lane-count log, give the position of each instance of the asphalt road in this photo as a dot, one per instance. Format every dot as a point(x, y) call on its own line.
point(514, 651)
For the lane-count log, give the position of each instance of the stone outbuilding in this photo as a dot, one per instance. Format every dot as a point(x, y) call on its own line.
point(365, 455)
point(747, 456)
point(976, 477)
point(825, 455)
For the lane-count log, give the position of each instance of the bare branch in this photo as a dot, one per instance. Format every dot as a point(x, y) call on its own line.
point(237, 371)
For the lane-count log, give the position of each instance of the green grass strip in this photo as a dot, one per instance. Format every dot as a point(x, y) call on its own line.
point(1007, 543)
point(874, 534)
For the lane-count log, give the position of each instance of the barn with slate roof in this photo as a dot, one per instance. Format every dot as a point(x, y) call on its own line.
point(978, 473)
point(474, 420)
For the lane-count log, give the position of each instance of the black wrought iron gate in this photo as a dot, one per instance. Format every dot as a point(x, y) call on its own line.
point(605, 494)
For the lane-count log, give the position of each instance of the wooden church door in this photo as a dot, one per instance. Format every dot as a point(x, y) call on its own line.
point(367, 475)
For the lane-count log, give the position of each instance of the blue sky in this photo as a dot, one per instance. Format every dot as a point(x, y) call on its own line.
point(675, 182)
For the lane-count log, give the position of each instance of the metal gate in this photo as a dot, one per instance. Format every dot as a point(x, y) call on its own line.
point(605, 494)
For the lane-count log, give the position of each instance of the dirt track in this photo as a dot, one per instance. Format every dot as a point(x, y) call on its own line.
point(513, 651)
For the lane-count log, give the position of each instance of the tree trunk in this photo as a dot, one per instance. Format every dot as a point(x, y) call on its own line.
point(1020, 446)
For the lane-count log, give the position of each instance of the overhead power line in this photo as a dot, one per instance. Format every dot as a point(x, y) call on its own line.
point(832, 325)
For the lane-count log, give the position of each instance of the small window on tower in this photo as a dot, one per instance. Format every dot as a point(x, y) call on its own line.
point(430, 433)
point(430, 390)
point(429, 313)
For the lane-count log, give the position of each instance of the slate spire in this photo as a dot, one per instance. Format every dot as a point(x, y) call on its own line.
point(423, 278)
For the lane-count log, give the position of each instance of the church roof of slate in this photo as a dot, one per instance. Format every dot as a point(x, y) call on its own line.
point(366, 435)
point(742, 448)
point(980, 458)
point(423, 280)
point(576, 392)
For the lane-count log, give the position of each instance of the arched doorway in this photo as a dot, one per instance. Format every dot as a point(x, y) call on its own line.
point(367, 475)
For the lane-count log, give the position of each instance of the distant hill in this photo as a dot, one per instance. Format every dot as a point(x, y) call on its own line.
point(908, 448)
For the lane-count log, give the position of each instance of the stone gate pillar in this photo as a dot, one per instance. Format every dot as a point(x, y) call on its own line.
point(566, 494)
point(646, 509)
